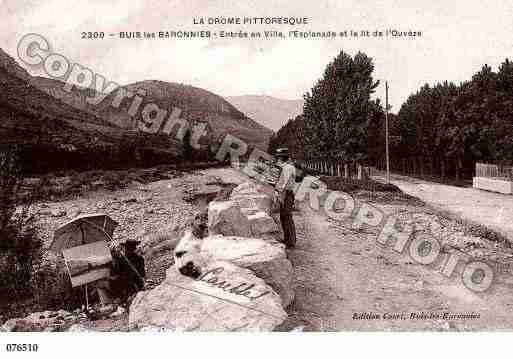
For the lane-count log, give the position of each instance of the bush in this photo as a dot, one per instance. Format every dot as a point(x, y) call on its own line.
point(51, 288)
point(353, 185)
point(20, 247)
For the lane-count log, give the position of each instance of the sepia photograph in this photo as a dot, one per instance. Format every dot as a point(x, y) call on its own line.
point(171, 166)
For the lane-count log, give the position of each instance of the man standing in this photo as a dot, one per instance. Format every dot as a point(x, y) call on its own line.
point(285, 188)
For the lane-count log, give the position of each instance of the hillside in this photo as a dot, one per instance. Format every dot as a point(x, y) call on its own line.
point(76, 98)
point(11, 66)
point(52, 134)
point(196, 104)
point(269, 111)
point(60, 129)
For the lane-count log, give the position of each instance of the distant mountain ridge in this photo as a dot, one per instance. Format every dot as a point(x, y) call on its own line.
point(76, 97)
point(12, 67)
point(269, 111)
point(52, 124)
point(196, 104)
point(51, 134)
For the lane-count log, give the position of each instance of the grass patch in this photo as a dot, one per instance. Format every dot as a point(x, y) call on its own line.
point(350, 185)
point(370, 190)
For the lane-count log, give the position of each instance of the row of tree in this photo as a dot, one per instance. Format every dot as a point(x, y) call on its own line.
point(440, 130)
point(337, 114)
point(447, 128)
point(337, 111)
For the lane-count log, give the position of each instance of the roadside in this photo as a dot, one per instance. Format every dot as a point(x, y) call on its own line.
point(493, 210)
point(340, 271)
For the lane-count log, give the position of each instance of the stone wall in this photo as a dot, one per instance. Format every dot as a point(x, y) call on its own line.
point(237, 278)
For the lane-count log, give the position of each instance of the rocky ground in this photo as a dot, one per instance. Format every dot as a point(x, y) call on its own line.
point(149, 212)
point(339, 271)
point(140, 209)
point(494, 210)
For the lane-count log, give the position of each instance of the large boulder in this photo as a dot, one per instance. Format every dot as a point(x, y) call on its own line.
point(47, 321)
point(241, 251)
point(227, 218)
point(224, 298)
point(262, 223)
point(251, 203)
point(255, 196)
point(267, 259)
point(246, 188)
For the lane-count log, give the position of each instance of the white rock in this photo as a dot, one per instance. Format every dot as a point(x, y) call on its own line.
point(226, 298)
point(58, 212)
point(241, 251)
point(245, 189)
point(262, 223)
point(227, 218)
point(267, 259)
point(153, 329)
point(118, 313)
point(253, 203)
point(80, 328)
point(38, 321)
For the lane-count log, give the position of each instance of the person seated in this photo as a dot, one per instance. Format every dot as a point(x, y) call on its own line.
point(129, 271)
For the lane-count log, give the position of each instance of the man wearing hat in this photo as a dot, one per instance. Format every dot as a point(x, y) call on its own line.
point(129, 270)
point(285, 187)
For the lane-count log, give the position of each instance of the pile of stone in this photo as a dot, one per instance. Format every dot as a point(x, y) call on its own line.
point(237, 278)
point(61, 320)
point(48, 321)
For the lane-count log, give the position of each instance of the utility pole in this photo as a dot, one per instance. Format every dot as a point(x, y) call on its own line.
point(386, 132)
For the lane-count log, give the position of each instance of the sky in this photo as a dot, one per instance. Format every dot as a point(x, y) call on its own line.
point(458, 37)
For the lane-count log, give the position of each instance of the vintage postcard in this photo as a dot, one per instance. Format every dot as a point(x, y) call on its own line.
point(256, 166)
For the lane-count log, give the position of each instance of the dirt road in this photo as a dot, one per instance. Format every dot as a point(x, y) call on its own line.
point(493, 210)
point(340, 272)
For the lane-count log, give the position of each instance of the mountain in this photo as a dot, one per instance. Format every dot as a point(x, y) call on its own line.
point(196, 104)
point(56, 129)
point(76, 98)
point(51, 134)
point(269, 111)
point(21, 104)
point(11, 66)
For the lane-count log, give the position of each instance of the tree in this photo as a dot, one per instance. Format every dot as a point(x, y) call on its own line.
point(188, 150)
point(456, 126)
point(337, 110)
point(20, 247)
point(291, 135)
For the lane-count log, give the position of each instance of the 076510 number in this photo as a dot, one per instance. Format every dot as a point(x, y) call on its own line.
point(22, 347)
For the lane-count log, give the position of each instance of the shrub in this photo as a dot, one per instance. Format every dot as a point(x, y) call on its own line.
point(51, 288)
point(20, 247)
point(353, 185)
